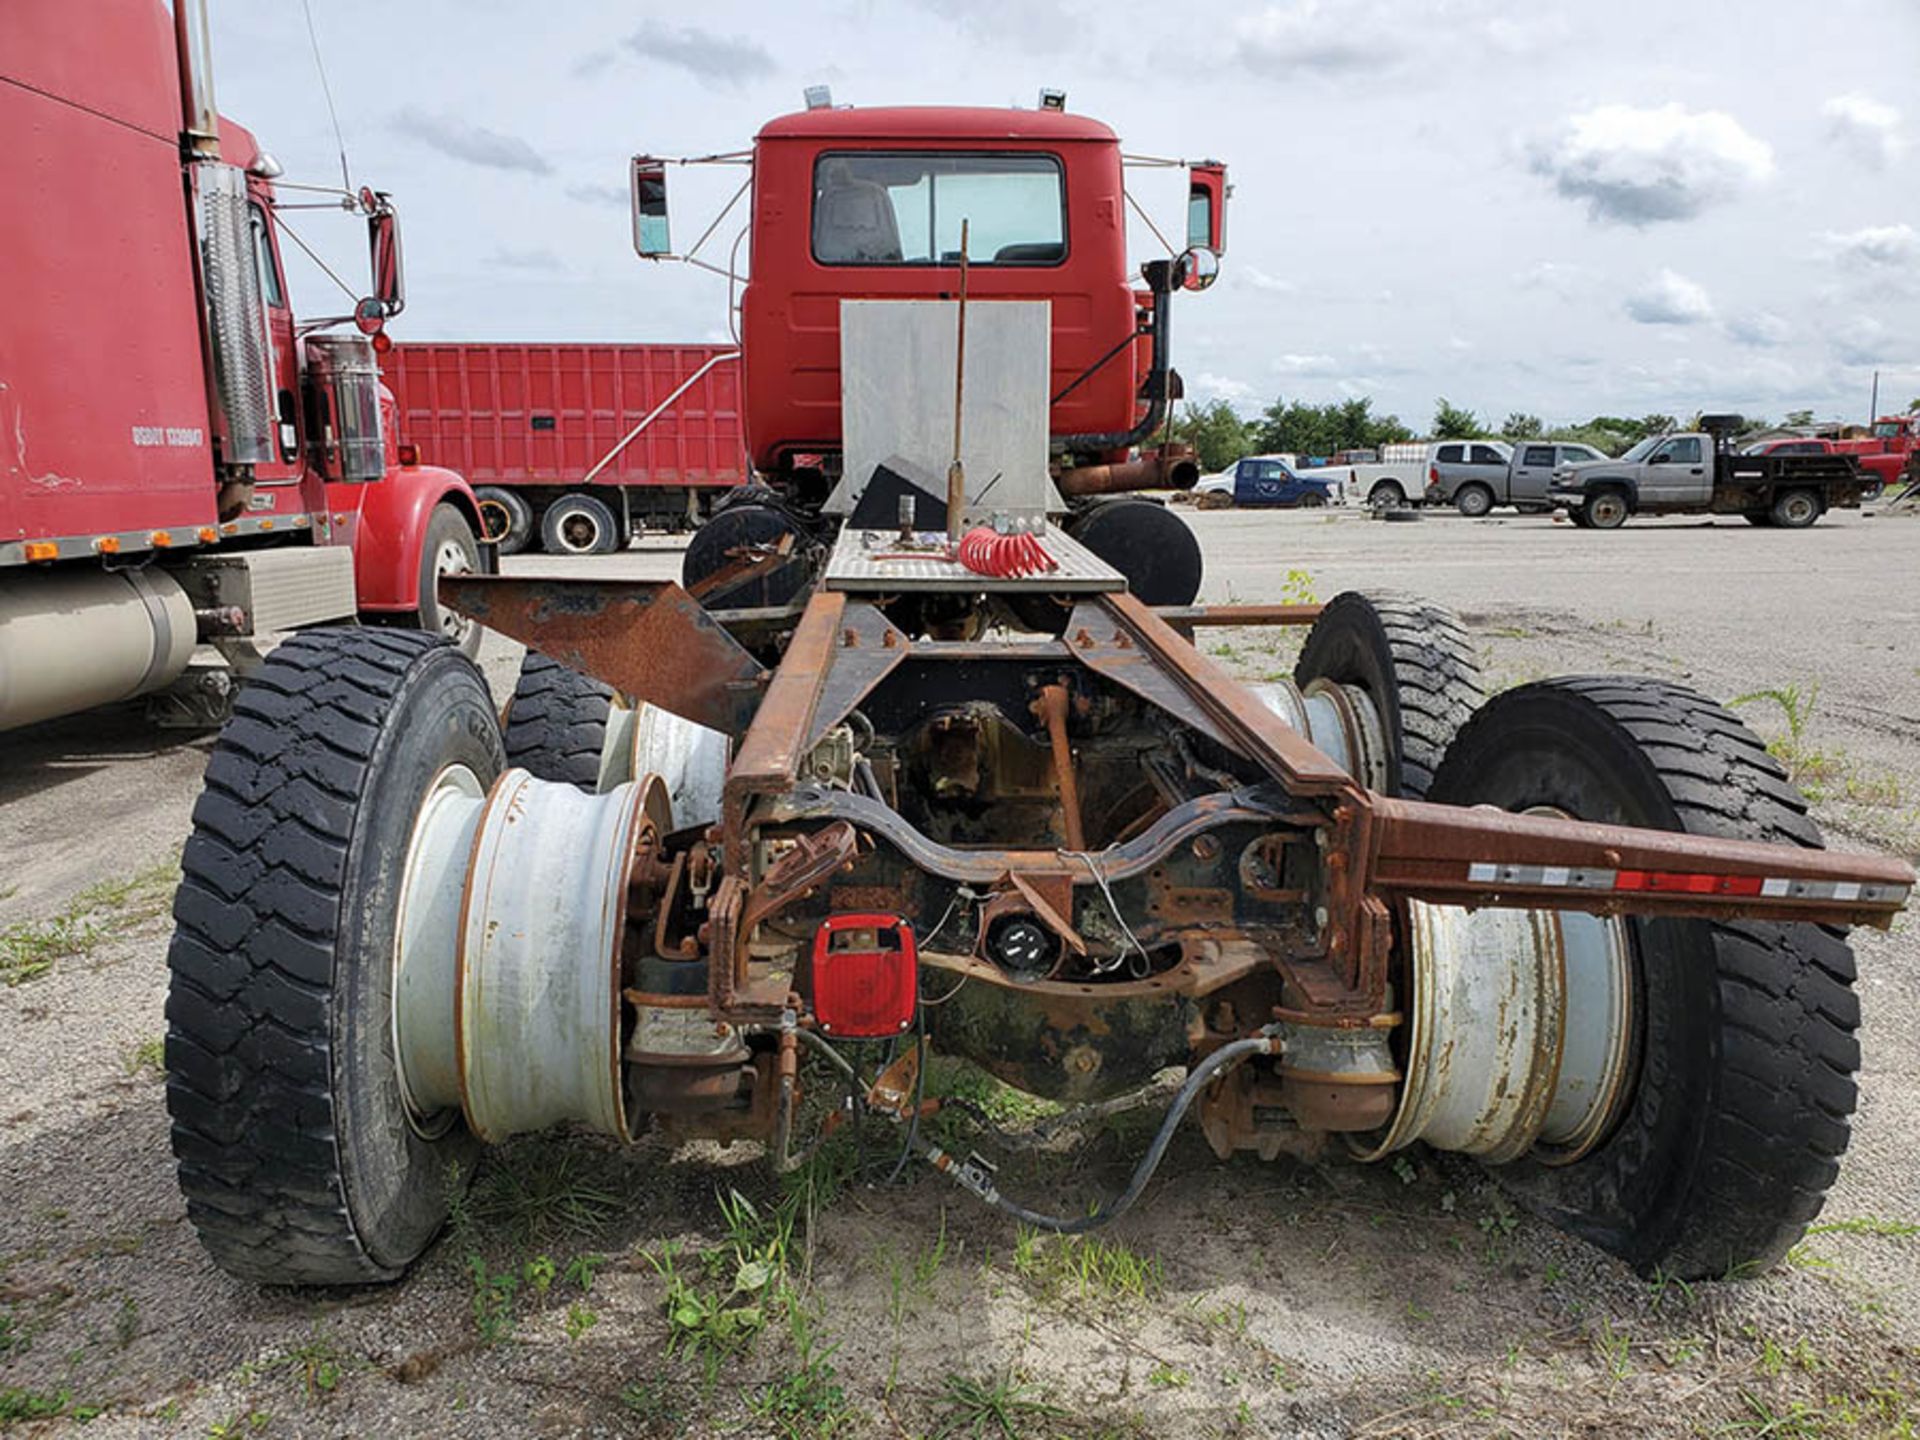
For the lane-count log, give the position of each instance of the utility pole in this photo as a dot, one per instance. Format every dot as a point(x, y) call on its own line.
point(1873, 404)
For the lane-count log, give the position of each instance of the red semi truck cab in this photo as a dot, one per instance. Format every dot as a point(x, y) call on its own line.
point(181, 460)
point(856, 203)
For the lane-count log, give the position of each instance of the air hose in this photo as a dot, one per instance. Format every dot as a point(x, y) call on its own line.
point(973, 1176)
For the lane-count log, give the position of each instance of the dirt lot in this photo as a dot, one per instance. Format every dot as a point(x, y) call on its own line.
point(1240, 1299)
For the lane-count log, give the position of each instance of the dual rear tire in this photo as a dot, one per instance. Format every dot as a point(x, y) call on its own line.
point(1744, 1037)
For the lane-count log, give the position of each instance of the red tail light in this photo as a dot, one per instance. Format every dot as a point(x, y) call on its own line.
point(1433, 474)
point(409, 454)
point(866, 976)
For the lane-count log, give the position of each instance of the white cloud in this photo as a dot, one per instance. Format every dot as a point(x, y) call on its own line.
point(1863, 340)
point(1867, 127)
point(1669, 299)
point(1761, 330)
point(475, 144)
point(1207, 386)
point(531, 258)
point(1332, 37)
point(1304, 364)
point(1260, 280)
point(712, 59)
point(1875, 246)
point(1637, 166)
point(593, 194)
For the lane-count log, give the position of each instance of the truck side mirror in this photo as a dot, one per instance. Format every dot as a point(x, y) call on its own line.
point(650, 234)
point(1198, 269)
point(1207, 206)
point(383, 241)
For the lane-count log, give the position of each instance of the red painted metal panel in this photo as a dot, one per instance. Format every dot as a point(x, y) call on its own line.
point(504, 414)
point(103, 409)
point(790, 307)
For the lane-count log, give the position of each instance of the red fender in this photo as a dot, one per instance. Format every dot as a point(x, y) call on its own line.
point(389, 519)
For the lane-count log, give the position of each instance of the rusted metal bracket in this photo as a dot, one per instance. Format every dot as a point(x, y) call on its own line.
point(1483, 856)
point(1185, 619)
point(648, 639)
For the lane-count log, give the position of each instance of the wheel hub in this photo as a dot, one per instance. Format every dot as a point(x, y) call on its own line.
point(1521, 1022)
point(506, 997)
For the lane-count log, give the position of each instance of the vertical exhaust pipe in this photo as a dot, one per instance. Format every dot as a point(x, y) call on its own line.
point(199, 116)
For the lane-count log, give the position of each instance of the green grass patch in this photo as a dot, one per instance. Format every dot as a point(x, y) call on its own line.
point(32, 948)
point(1085, 1266)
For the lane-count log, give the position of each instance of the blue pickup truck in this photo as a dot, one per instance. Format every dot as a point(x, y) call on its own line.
point(1263, 480)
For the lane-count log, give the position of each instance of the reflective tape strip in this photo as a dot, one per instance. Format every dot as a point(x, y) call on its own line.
point(1680, 882)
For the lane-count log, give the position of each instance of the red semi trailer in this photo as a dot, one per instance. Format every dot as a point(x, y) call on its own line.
point(575, 447)
point(183, 464)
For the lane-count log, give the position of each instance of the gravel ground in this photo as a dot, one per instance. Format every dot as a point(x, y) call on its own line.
point(1248, 1298)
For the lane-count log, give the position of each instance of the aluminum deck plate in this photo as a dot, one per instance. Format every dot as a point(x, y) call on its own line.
point(872, 560)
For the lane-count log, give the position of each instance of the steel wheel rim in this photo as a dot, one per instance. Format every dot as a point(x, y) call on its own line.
point(1608, 508)
point(579, 533)
point(451, 559)
point(420, 998)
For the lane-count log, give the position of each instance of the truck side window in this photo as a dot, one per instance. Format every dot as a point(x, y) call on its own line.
point(1537, 455)
point(1685, 451)
point(897, 207)
point(263, 255)
point(1486, 455)
point(1449, 454)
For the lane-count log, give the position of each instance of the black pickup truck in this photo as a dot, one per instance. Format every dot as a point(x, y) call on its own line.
point(1699, 473)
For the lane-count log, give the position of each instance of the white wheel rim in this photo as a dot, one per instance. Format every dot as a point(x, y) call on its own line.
point(574, 523)
point(451, 559)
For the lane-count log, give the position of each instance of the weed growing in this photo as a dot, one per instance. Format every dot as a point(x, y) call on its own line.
point(1085, 1266)
point(998, 1407)
point(32, 948)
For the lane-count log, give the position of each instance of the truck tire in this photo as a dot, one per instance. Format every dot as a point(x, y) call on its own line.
point(507, 513)
point(1795, 509)
point(1387, 495)
point(1734, 1130)
point(1578, 516)
point(298, 1164)
point(1153, 547)
point(557, 722)
point(1214, 500)
point(1473, 501)
point(1760, 518)
point(739, 526)
point(449, 549)
point(1414, 660)
point(578, 524)
point(1606, 509)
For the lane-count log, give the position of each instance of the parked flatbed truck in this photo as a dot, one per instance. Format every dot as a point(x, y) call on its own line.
point(1701, 473)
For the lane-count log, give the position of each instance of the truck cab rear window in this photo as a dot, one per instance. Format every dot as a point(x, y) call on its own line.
point(896, 207)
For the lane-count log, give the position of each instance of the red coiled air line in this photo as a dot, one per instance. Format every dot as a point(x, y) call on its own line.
point(986, 551)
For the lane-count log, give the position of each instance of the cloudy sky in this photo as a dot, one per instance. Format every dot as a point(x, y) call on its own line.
point(1565, 208)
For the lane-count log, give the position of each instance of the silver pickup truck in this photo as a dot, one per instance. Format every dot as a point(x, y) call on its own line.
point(1699, 473)
point(1475, 476)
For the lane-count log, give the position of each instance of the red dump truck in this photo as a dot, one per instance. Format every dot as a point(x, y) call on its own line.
point(183, 465)
point(574, 448)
